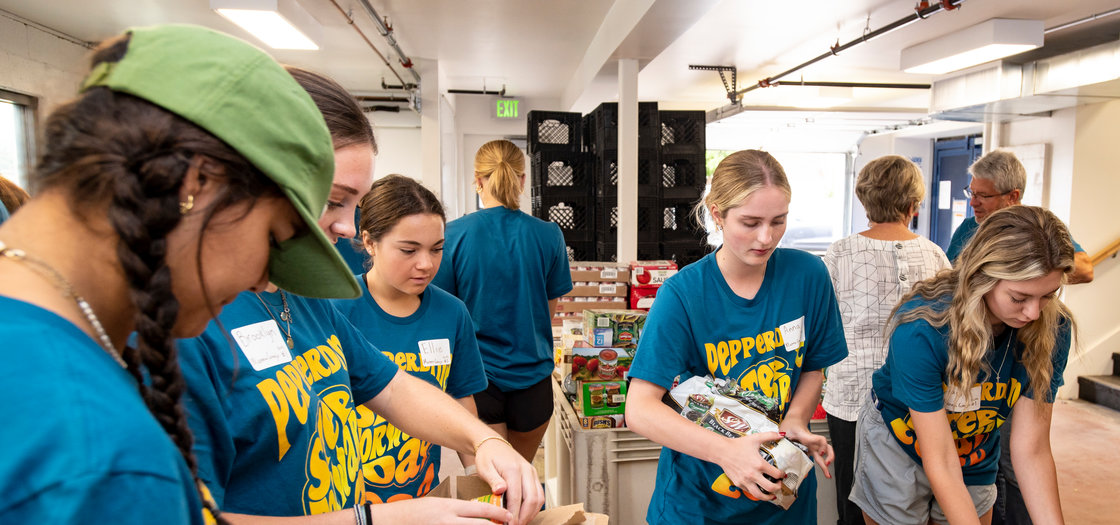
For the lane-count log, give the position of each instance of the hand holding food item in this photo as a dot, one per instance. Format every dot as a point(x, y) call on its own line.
point(722, 407)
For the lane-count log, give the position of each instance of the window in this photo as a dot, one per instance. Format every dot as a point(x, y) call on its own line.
point(817, 212)
point(17, 113)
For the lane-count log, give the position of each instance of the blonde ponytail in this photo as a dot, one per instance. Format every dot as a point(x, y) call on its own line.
point(500, 166)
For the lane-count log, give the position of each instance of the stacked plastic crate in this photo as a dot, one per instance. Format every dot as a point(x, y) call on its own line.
point(561, 179)
point(601, 137)
point(682, 180)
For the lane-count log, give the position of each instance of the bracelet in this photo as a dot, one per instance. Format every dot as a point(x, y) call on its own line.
point(363, 514)
point(485, 439)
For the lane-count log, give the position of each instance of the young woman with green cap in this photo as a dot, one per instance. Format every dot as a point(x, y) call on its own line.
point(160, 196)
point(275, 420)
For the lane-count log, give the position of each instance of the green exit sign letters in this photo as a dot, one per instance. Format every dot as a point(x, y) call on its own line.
point(508, 108)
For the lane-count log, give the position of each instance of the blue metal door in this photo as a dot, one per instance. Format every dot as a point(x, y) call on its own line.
point(951, 159)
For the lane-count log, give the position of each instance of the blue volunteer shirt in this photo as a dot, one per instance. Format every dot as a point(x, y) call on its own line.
point(436, 343)
point(79, 444)
point(506, 265)
point(967, 229)
point(699, 326)
point(276, 432)
point(913, 378)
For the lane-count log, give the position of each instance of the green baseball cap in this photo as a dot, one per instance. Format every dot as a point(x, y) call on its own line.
point(242, 96)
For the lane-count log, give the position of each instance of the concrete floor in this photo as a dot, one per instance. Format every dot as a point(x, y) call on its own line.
point(1086, 442)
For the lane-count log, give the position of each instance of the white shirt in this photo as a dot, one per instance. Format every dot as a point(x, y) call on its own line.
point(870, 276)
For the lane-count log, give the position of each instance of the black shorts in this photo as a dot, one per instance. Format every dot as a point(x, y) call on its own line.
point(521, 410)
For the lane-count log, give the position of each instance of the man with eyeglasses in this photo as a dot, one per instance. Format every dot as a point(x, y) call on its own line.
point(998, 180)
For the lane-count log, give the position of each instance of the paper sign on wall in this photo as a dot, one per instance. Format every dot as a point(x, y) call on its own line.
point(945, 195)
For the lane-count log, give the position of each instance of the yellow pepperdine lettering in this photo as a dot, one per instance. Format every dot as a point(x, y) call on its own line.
point(722, 356)
point(334, 457)
point(410, 362)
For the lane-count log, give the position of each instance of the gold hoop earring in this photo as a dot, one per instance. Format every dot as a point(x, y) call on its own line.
point(187, 205)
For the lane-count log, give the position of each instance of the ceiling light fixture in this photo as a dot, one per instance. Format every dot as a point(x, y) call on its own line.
point(280, 24)
point(990, 40)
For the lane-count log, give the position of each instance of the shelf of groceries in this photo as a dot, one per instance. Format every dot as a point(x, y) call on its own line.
point(590, 455)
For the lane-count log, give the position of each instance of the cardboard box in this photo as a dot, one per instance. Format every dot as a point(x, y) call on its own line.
point(616, 303)
point(597, 422)
point(641, 297)
point(613, 328)
point(651, 272)
point(470, 487)
point(600, 398)
point(590, 364)
point(597, 289)
point(599, 271)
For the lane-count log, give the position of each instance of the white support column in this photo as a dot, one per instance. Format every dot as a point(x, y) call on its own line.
point(431, 165)
point(627, 241)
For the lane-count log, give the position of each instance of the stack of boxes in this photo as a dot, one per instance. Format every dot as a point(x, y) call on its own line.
point(600, 363)
point(645, 278)
point(595, 285)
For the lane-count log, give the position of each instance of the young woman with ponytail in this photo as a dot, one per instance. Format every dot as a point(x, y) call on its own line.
point(966, 349)
point(160, 196)
point(509, 268)
point(278, 434)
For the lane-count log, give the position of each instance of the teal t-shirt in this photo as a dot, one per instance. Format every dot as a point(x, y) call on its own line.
point(79, 444)
point(506, 265)
point(436, 343)
point(699, 326)
point(276, 432)
point(967, 229)
point(913, 378)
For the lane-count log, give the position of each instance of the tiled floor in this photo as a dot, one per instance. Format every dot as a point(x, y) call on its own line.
point(1086, 442)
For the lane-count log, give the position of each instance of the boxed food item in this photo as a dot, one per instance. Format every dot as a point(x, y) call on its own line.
point(474, 487)
point(597, 289)
point(651, 272)
point(724, 408)
point(600, 364)
point(641, 297)
point(597, 422)
point(595, 271)
point(608, 328)
point(579, 304)
point(600, 398)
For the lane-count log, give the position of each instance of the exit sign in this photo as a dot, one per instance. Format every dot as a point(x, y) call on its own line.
point(508, 108)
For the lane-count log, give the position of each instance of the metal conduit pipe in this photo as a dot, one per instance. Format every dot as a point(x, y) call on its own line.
point(388, 34)
point(918, 14)
point(882, 85)
point(350, 20)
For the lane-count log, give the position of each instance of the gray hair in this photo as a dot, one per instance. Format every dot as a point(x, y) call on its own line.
point(1003, 169)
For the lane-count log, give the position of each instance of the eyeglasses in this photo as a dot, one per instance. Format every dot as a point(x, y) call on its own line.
point(968, 193)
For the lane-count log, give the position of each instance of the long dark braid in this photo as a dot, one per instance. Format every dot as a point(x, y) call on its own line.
point(115, 148)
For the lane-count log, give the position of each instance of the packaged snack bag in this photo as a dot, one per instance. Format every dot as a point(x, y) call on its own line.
point(723, 407)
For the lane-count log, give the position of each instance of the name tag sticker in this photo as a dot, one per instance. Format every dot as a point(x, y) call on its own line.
point(262, 344)
point(435, 352)
point(958, 403)
point(793, 333)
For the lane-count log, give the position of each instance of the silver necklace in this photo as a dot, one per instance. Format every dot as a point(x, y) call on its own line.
point(1006, 350)
point(63, 285)
point(285, 316)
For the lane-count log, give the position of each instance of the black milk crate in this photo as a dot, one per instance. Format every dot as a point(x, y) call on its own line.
point(608, 251)
point(678, 222)
point(685, 252)
point(562, 170)
point(554, 131)
point(601, 127)
point(682, 131)
point(575, 215)
point(683, 176)
point(606, 173)
point(581, 250)
point(649, 213)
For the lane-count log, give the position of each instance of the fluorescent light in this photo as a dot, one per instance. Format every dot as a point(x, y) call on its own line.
point(280, 24)
point(990, 40)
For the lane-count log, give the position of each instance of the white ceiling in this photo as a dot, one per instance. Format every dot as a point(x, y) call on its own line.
point(567, 50)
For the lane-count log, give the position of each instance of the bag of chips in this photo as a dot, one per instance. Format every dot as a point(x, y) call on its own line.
point(723, 407)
